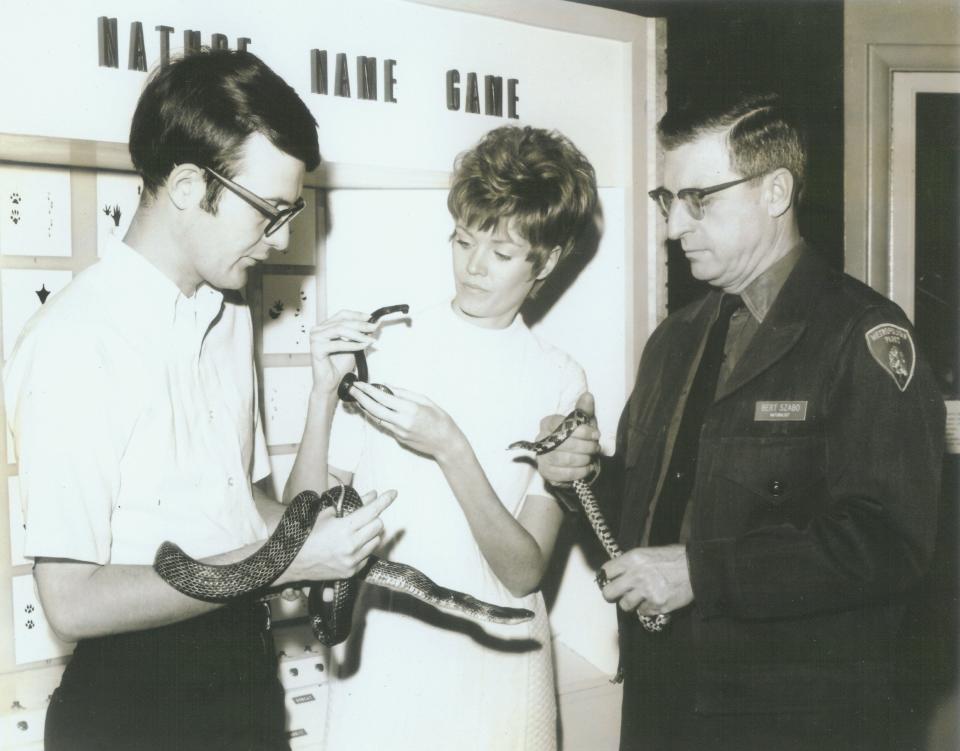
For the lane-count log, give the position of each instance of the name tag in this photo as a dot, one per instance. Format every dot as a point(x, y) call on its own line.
point(780, 411)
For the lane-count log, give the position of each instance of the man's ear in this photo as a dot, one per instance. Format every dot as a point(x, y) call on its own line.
point(550, 265)
point(185, 186)
point(778, 191)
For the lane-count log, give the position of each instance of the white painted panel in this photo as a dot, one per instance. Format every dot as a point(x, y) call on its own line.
point(285, 393)
point(280, 467)
point(387, 247)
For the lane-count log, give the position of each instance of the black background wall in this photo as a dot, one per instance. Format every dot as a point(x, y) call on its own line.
point(717, 49)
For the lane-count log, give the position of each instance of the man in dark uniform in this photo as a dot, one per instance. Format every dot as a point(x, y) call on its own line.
point(777, 468)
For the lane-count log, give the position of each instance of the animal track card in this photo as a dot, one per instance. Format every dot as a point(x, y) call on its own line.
point(285, 395)
point(22, 292)
point(33, 639)
point(289, 311)
point(302, 248)
point(117, 198)
point(35, 219)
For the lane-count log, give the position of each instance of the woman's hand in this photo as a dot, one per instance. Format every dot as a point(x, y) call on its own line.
point(332, 344)
point(412, 419)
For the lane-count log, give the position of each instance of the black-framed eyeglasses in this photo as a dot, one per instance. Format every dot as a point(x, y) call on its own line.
point(692, 197)
point(276, 217)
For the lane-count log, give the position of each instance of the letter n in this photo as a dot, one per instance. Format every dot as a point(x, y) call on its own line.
point(109, 55)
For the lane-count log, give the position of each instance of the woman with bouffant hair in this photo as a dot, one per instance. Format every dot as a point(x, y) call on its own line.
point(468, 378)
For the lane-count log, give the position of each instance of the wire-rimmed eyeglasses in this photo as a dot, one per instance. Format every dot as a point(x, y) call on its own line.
point(276, 217)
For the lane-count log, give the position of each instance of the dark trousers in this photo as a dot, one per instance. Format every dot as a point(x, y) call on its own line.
point(206, 683)
point(659, 695)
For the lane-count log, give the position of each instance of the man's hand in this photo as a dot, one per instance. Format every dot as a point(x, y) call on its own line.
point(338, 548)
point(653, 580)
point(577, 456)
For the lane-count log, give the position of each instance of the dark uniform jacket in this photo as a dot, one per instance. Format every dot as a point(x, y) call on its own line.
point(814, 505)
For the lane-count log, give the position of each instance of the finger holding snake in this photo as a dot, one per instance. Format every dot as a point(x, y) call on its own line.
point(338, 547)
point(575, 457)
point(412, 418)
point(333, 342)
point(649, 580)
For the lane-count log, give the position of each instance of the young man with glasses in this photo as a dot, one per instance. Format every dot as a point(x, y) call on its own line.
point(777, 468)
point(133, 402)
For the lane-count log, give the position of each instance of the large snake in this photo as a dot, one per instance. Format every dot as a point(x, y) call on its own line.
point(331, 620)
point(587, 499)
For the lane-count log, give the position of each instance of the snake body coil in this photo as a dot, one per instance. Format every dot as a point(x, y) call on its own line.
point(588, 500)
point(331, 620)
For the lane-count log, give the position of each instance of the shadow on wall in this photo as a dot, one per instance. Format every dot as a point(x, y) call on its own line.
point(535, 308)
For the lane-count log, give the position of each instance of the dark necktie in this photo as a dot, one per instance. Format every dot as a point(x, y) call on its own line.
point(678, 483)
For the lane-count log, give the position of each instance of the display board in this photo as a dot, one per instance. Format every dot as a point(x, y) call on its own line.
point(376, 227)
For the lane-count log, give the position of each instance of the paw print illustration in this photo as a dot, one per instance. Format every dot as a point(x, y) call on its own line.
point(15, 198)
point(29, 608)
point(114, 213)
point(30, 624)
point(276, 309)
point(15, 215)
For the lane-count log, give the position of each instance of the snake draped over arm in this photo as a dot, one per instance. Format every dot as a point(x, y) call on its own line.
point(331, 620)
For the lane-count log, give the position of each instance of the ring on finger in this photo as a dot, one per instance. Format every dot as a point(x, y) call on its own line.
point(601, 579)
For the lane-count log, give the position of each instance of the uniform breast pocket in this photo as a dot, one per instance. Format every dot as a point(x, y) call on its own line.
point(779, 478)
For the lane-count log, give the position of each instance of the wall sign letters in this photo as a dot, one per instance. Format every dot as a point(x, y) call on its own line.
point(365, 79)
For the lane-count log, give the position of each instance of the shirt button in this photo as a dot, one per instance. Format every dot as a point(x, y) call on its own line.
point(210, 413)
point(678, 476)
point(776, 488)
point(230, 481)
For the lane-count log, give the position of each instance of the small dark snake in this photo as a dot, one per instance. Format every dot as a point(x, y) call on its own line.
point(330, 620)
point(591, 508)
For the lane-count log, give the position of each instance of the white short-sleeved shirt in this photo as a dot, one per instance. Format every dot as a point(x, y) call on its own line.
point(135, 418)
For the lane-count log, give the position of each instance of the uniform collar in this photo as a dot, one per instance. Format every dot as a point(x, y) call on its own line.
point(761, 293)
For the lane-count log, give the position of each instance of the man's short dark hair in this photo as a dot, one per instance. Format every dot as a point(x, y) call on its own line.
point(535, 177)
point(763, 134)
point(200, 109)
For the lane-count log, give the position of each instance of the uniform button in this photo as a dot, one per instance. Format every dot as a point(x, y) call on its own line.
point(678, 476)
point(776, 487)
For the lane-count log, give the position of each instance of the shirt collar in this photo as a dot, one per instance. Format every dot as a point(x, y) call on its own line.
point(155, 299)
point(761, 293)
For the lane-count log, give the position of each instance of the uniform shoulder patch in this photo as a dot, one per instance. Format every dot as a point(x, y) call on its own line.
point(892, 347)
